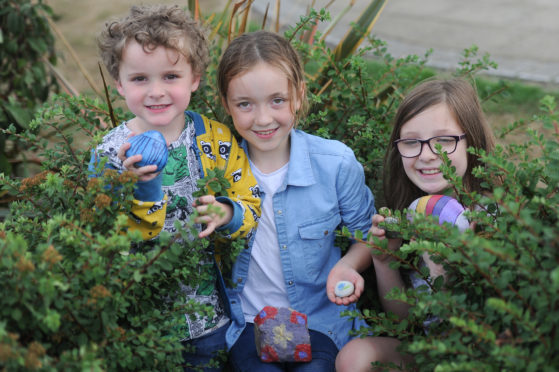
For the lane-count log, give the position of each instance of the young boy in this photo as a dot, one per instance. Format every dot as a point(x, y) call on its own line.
point(157, 55)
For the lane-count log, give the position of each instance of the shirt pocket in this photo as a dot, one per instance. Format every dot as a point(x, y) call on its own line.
point(317, 240)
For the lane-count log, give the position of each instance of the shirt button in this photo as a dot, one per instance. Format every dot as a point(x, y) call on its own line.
point(279, 211)
point(326, 232)
point(239, 280)
point(329, 332)
point(290, 282)
point(284, 246)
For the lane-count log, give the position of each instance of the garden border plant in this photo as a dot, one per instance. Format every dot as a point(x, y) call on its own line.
point(27, 52)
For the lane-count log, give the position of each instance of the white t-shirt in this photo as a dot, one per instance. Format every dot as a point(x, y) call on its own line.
point(265, 285)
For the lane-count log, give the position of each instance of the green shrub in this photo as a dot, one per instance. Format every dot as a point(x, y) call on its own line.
point(26, 42)
point(75, 296)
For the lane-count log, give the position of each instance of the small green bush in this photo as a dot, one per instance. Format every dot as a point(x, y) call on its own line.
point(26, 42)
point(75, 295)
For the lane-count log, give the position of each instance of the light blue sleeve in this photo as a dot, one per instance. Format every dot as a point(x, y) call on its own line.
point(356, 201)
point(236, 220)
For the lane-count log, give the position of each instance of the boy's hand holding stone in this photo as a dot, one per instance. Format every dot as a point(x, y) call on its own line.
point(145, 154)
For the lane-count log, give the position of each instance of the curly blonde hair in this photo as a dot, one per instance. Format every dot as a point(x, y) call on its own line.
point(152, 26)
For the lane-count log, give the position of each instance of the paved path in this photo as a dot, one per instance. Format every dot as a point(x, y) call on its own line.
point(522, 36)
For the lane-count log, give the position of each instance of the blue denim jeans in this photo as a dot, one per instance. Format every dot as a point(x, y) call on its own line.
point(206, 348)
point(243, 356)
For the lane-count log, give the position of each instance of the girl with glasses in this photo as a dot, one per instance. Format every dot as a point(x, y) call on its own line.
point(436, 116)
point(445, 112)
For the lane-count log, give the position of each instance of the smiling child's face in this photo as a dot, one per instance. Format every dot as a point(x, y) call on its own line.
point(424, 170)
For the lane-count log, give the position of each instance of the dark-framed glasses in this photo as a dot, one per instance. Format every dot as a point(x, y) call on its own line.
point(412, 147)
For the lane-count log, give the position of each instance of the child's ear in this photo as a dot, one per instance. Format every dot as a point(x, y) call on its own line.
point(195, 83)
point(300, 94)
point(225, 106)
point(119, 87)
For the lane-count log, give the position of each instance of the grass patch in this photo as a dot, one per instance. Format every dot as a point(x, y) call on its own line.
point(506, 97)
point(522, 99)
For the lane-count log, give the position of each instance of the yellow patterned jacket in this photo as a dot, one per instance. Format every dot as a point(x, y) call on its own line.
point(204, 144)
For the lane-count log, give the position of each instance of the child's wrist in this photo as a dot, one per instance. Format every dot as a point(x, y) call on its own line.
point(149, 190)
point(232, 219)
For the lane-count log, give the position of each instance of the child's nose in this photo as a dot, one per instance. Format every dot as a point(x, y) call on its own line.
point(427, 153)
point(156, 90)
point(263, 116)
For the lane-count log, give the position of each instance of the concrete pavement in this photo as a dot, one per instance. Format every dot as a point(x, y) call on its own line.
point(522, 36)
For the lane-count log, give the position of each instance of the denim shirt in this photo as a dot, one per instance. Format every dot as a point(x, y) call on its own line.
point(323, 190)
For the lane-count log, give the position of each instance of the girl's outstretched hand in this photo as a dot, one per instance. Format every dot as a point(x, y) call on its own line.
point(342, 271)
point(211, 213)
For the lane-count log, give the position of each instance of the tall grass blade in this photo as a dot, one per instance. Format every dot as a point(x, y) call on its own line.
point(278, 3)
point(262, 27)
point(236, 7)
point(194, 8)
point(356, 35)
point(111, 112)
point(244, 20)
point(336, 20)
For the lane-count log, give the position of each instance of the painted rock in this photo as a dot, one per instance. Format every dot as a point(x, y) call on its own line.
point(391, 227)
point(343, 288)
point(445, 207)
point(153, 148)
point(281, 334)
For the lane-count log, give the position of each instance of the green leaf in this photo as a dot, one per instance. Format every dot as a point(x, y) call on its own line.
point(52, 320)
point(21, 116)
point(137, 276)
point(555, 277)
point(364, 24)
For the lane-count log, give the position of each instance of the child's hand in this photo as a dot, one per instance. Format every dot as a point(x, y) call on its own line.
point(146, 173)
point(342, 271)
point(375, 230)
point(211, 213)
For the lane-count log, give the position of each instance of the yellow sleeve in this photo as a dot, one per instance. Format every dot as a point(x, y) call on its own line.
point(148, 217)
point(244, 189)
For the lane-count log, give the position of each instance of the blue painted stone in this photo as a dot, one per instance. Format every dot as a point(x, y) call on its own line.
point(153, 148)
point(343, 288)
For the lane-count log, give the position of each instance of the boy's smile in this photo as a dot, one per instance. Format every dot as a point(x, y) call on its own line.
point(157, 86)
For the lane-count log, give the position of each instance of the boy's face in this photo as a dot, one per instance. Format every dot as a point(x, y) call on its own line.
point(157, 86)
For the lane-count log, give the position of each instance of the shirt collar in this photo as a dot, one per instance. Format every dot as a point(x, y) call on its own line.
point(300, 172)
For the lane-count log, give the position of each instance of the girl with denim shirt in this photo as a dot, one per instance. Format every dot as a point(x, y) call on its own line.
point(311, 187)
